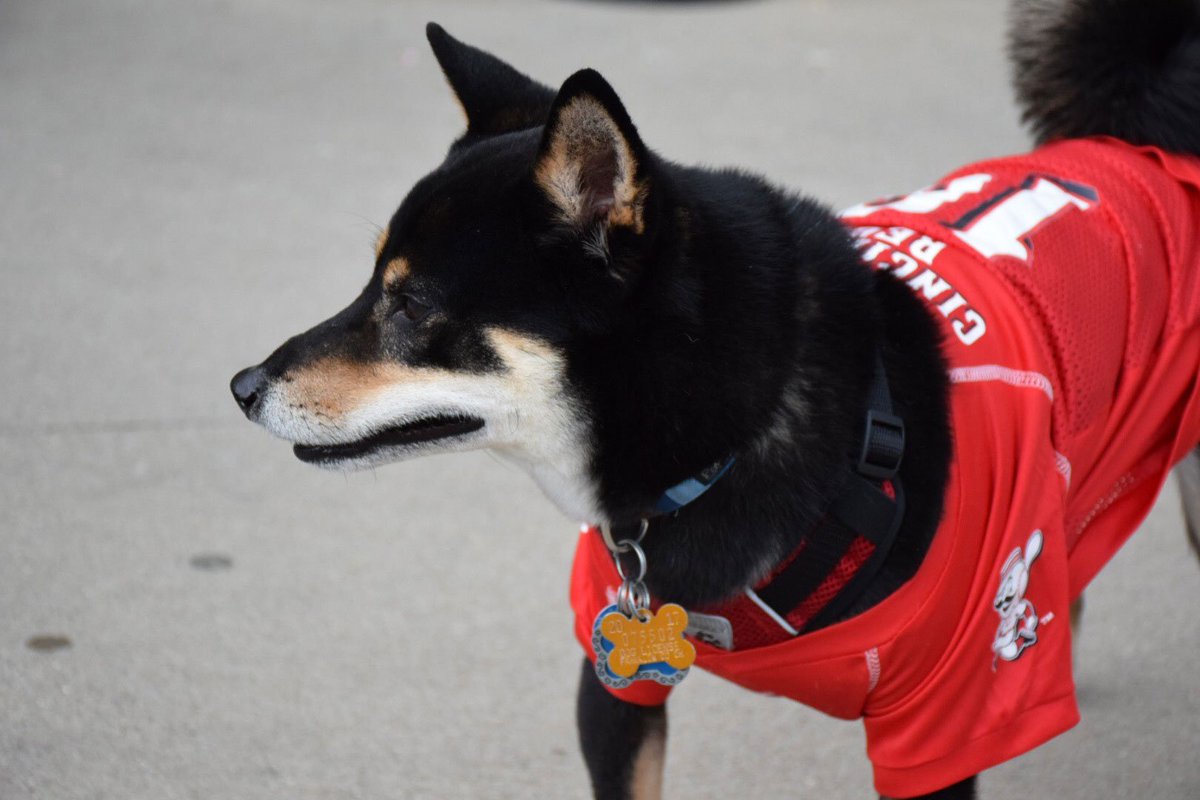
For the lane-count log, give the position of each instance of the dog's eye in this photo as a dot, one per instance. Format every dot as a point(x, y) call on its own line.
point(413, 308)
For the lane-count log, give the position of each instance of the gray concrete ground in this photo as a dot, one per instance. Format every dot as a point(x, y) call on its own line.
point(184, 184)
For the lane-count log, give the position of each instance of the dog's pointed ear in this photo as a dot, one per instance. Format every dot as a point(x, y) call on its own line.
point(495, 97)
point(592, 165)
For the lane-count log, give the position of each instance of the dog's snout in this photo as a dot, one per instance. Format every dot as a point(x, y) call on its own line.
point(248, 387)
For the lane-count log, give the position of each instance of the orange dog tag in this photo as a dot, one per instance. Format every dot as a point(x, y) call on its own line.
point(646, 646)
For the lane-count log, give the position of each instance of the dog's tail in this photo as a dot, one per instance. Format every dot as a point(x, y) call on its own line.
point(1123, 68)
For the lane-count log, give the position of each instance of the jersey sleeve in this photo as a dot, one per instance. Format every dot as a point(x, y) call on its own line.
point(594, 583)
point(1002, 684)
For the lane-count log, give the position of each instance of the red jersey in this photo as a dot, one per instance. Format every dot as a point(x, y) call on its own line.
point(1068, 281)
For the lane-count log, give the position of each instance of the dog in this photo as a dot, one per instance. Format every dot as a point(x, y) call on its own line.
point(874, 455)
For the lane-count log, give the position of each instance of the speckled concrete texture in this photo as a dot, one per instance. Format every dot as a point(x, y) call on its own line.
point(186, 611)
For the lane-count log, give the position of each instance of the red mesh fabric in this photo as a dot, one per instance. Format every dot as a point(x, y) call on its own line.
point(858, 553)
point(753, 627)
point(1069, 287)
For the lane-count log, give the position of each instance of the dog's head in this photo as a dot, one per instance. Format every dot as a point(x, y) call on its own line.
point(518, 251)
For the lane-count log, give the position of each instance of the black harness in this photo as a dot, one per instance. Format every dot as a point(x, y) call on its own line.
point(827, 572)
point(862, 508)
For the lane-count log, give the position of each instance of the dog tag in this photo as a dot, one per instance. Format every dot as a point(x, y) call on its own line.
point(644, 647)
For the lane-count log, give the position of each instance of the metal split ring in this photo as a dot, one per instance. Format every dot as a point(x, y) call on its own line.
point(632, 598)
point(630, 546)
point(622, 546)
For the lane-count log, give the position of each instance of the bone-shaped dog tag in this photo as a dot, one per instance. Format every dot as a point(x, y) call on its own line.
point(646, 646)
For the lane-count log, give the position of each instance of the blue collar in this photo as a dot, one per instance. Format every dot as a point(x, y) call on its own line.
point(689, 489)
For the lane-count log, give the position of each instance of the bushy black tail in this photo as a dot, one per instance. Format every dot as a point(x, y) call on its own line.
point(1125, 68)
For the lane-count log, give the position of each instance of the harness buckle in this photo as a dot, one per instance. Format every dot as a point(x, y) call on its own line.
point(883, 446)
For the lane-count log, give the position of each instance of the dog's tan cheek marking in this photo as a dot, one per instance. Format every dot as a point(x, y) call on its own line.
point(529, 360)
point(381, 243)
point(647, 776)
point(331, 388)
point(511, 340)
point(396, 271)
point(584, 129)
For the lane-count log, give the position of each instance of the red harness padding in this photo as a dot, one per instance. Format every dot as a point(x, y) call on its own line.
point(811, 587)
point(836, 561)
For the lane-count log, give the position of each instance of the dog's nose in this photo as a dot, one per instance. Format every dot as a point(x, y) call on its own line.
point(248, 387)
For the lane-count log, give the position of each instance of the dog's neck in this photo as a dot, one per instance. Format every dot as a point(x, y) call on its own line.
point(781, 487)
point(801, 451)
point(776, 494)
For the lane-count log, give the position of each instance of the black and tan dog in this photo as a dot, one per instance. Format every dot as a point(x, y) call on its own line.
point(877, 455)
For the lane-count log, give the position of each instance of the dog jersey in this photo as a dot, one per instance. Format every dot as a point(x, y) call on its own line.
point(1067, 281)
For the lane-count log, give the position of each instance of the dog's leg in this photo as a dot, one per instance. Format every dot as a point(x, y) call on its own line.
point(623, 744)
point(1187, 473)
point(963, 790)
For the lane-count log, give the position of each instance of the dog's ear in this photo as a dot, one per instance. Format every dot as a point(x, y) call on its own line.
point(494, 96)
point(592, 166)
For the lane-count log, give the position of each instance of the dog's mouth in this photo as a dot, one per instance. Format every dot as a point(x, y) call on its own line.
point(422, 431)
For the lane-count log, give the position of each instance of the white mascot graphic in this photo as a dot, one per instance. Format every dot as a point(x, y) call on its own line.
point(1018, 617)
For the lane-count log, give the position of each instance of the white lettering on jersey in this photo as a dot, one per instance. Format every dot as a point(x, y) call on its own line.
point(930, 284)
point(1002, 228)
point(923, 201)
point(927, 249)
point(999, 226)
point(971, 328)
point(883, 248)
point(895, 236)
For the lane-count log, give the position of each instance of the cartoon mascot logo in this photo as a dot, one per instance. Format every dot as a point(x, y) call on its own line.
point(1018, 617)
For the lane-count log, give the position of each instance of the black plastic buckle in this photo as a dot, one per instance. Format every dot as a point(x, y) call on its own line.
point(883, 446)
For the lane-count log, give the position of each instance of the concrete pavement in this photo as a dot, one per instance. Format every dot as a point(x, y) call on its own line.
point(182, 185)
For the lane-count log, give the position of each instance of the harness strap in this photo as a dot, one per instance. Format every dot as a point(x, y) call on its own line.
point(838, 559)
point(852, 589)
point(828, 571)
